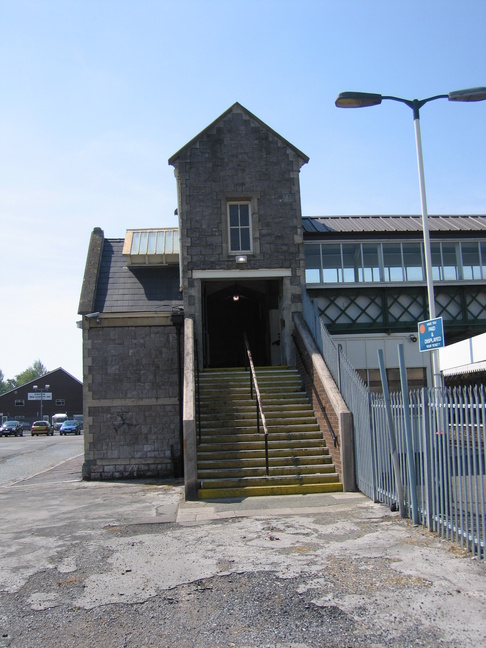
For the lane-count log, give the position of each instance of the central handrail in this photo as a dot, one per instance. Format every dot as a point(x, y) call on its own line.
point(260, 412)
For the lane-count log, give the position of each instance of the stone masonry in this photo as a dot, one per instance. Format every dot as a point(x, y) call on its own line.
point(131, 402)
point(238, 158)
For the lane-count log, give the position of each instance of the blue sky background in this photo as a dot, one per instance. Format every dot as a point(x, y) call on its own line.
point(96, 95)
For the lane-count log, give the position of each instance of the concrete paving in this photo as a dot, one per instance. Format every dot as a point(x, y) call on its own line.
point(127, 542)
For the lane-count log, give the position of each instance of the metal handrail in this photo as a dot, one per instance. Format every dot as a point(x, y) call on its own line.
point(260, 412)
point(198, 394)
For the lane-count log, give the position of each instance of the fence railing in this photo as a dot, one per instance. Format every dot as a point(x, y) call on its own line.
point(449, 453)
point(354, 392)
point(448, 447)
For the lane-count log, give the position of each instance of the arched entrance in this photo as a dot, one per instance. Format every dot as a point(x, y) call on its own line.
point(231, 309)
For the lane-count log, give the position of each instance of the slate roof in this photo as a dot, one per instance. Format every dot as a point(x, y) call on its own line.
point(380, 224)
point(142, 289)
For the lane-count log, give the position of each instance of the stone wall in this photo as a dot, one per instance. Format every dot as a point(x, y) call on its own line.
point(240, 159)
point(323, 392)
point(131, 402)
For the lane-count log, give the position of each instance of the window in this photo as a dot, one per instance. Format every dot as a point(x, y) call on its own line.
point(483, 258)
point(331, 263)
point(239, 227)
point(471, 265)
point(337, 263)
point(152, 246)
point(412, 260)
point(371, 262)
point(392, 261)
point(416, 378)
point(450, 260)
point(352, 264)
point(60, 402)
point(436, 253)
point(313, 263)
point(19, 402)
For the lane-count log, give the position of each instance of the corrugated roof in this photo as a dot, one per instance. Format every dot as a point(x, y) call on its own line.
point(473, 367)
point(380, 224)
point(120, 289)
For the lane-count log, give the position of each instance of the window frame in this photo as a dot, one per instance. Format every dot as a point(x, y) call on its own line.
point(334, 271)
point(239, 228)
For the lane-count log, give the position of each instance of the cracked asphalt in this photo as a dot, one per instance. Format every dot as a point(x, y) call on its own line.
point(125, 564)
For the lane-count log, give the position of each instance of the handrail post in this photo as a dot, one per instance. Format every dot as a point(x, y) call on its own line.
point(266, 455)
point(259, 412)
point(198, 392)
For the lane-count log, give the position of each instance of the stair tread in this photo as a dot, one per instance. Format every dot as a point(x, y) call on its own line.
point(231, 453)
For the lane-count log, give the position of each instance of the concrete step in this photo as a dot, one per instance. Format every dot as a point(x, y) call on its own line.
point(219, 473)
point(249, 408)
point(241, 436)
point(275, 425)
point(274, 480)
point(268, 490)
point(256, 455)
point(231, 455)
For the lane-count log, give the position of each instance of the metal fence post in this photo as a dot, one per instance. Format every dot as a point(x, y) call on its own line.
point(391, 432)
point(339, 350)
point(408, 436)
point(427, 459)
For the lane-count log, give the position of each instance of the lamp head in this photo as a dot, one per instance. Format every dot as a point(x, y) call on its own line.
point(470, 94)
point(358, 99)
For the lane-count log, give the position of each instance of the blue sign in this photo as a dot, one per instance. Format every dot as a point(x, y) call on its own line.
point(431, 334)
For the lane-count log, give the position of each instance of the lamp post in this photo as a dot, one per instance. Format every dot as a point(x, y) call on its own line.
point(41, 390)
point(366, 99)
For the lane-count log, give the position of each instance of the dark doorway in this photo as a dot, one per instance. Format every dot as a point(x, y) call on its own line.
point(232, 309)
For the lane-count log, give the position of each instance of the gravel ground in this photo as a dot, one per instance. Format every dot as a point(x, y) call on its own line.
point(255, 609)
point(132, 565)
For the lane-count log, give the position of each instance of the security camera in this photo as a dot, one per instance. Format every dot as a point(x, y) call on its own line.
point(92, 316)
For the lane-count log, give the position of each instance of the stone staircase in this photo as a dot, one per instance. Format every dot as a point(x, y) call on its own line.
point(231, 454)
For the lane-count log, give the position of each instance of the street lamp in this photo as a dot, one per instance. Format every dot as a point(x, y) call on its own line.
point(41, 390)
point(366, 99)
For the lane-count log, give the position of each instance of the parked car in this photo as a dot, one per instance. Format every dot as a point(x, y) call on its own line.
point(41, 427)
point(11, 428)
point(70, 427)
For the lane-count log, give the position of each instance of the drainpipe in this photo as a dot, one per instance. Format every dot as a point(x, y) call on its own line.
point(178, 321)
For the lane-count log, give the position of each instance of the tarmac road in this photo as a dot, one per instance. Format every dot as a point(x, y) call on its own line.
point(25, 456)
point(130, 564)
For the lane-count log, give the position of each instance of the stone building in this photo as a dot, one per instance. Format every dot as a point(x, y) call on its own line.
point(162, 305)
point(240, 269)
point(241, 236)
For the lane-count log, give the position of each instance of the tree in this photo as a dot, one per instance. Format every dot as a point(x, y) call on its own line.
point(34, 371)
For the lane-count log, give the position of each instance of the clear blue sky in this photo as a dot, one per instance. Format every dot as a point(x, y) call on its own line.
point(96, 95)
